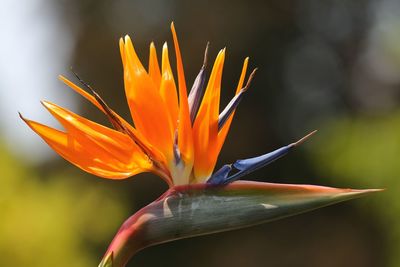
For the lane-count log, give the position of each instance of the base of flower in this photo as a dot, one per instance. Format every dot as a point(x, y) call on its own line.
point(200, 209)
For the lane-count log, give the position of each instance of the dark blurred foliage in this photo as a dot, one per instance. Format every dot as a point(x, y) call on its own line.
point(315, 72)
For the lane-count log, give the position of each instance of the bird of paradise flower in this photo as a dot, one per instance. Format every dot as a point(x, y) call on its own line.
point(177, 137)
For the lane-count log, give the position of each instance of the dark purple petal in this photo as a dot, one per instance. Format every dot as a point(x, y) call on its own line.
point(197, 91)
point(232, 105)
point(177, 153)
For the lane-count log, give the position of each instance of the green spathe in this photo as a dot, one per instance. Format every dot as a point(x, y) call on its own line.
point(193, 210)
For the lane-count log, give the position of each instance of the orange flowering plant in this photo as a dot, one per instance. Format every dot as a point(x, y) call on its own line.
point(177, 137)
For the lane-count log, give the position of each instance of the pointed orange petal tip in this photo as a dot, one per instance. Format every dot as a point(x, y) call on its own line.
point(22, 117)
point(64, 80)
point(154, 67)
point(121, 44)
point(47, 104)
point(165, 47)
point(28, 122)
point(80, 91)
point(165, 65)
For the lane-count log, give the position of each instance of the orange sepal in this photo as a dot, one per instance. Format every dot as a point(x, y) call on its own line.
point(168, 88)
point(225, 129)
point(148, 110)
point(82, 92)
point(155, 153)
point(154, 67)
point(185, 136)
point(93, 148)
point(205, 130)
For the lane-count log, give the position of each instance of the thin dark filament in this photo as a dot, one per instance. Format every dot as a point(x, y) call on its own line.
point(119, 126)
point(234, 103)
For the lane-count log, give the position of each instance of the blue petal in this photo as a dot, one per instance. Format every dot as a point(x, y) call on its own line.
point(220, 176)
point(246, 166)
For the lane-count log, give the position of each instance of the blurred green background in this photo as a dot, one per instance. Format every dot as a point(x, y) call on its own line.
point(329, 65)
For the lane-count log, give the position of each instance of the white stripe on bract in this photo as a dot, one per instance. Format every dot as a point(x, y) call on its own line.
point(268, 206)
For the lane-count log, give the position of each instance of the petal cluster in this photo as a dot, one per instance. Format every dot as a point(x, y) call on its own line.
point(178, 137)
point(175, 136)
